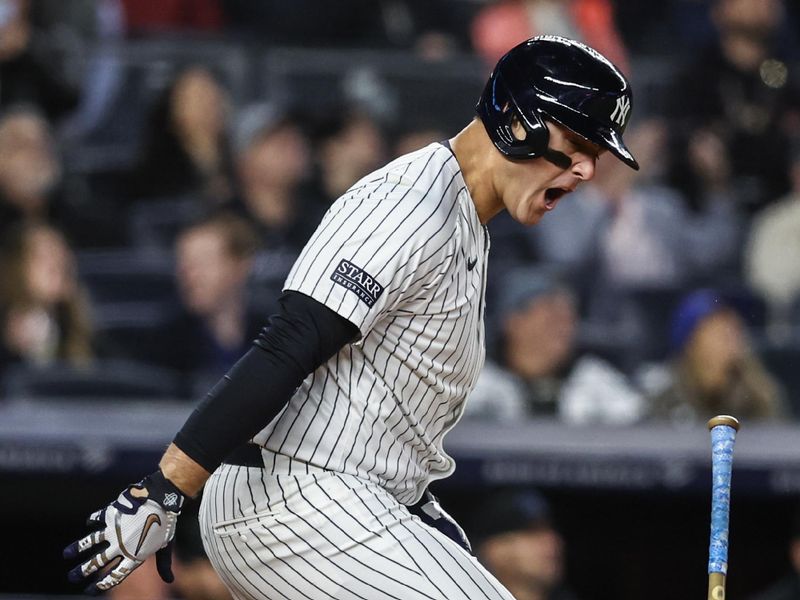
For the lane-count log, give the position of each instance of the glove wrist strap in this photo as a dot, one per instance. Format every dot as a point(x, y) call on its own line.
point(163, 491)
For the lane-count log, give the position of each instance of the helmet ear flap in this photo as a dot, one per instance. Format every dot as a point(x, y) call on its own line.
point(499, 112)
point(537, 136)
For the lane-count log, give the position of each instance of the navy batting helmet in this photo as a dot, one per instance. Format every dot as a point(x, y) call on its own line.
point(550, 77)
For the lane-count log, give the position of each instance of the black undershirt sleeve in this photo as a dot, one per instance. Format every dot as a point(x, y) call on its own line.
point(303, 335)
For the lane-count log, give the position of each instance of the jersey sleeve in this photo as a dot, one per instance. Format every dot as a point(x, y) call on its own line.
point(378, 247)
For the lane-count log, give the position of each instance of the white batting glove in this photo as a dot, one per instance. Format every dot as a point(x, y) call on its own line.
point(139, 523)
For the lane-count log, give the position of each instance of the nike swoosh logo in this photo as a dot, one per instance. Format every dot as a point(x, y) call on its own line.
point(471, 262)
point(152, 519)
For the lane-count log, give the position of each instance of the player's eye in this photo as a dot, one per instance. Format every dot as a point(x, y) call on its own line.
point(576, 145)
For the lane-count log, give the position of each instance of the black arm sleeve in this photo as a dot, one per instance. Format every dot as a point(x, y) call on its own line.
point(298, 339)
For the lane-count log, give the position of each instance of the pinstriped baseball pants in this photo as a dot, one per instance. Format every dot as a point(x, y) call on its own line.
point(323, 536)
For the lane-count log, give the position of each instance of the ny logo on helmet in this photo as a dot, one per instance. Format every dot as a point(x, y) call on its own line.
point(621, 110)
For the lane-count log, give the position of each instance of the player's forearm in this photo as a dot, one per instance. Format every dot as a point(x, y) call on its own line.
point(302, 336)
point(188, 476)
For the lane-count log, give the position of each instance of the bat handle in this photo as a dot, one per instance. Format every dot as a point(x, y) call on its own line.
point(723, 435)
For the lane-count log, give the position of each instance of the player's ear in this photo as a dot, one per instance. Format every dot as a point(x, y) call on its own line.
point(518, 129)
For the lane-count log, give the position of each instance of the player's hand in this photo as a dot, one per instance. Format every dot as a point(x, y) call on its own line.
point(431, 513)
point(139, 523)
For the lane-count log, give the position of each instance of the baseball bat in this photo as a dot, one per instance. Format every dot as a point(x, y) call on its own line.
point(723, 435)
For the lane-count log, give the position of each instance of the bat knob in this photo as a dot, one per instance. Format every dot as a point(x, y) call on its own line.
point(716, 586)
point(723, 420)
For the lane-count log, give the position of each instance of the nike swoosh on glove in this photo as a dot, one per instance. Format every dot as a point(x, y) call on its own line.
point(139, 523)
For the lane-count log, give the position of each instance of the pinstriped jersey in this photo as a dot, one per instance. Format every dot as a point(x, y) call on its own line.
point(402, 255)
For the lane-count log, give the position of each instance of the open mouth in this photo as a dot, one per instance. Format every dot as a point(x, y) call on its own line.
point(552, 195)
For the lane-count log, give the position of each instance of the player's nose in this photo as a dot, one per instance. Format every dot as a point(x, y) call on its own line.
point(583, 166)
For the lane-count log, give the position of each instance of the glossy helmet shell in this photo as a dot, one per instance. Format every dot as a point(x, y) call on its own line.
point(562, 80)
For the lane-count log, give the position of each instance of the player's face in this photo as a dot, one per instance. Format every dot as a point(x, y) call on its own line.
point(531, 188)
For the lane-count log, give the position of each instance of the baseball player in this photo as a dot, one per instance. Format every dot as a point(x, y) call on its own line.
point(316, 449)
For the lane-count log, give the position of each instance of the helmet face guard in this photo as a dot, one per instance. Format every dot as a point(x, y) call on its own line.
point(562, 80)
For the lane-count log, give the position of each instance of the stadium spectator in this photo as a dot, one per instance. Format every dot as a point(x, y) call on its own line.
point(30, 170)
point(644, 234)
point(739, 90)
point(771, 265)
point(541, 370)
point(630, 240)
point(505, 23)
point(272, 164)
point(514, 537)
point(185, 149)
point(713, 370)
point(347, 146)
point(652, 239)
point(44, 313)
point(33, 186)
point(213, 325)
point(25, 75)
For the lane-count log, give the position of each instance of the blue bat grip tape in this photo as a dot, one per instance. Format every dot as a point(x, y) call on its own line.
point(722, 439)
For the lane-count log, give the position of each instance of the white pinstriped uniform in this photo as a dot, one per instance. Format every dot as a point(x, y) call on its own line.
point(402, 255)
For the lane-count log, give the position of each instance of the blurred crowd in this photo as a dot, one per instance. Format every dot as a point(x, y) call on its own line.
point(147, 234)
point(153, 199)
